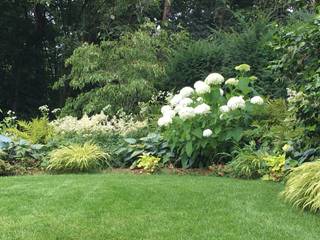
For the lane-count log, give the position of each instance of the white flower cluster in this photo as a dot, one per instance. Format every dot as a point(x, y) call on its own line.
point(190, 102)
point(257, 100)
point(201, 87)
point(232, 81)
point(214, 79)
point(97, 123)
point(236, 102)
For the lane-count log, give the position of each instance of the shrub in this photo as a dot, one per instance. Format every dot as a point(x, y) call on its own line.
point(148, 162)
point(297, 46)
point(204, 122)
point(248, 163)
point(77, 158)
point(303, 186)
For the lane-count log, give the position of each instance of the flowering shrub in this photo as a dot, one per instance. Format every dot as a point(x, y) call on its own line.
point(204, 121)
point(121, 124)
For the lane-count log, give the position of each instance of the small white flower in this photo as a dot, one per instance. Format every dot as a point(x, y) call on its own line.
point(164, 121)
point(232, 81)
point(186, 112)
point(224, 109)
point(214, 79)
point(165, 108)
point(236, 102)
point(221, 92)
point(185, 102)
point(207, 133)
point(170, 113)
point(186, 92)
point(202, 109)
point(257, 100)
point(201, 87)
point(199, 99)
point(176, 99)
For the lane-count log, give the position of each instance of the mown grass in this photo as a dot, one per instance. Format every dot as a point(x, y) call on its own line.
point(126, 206)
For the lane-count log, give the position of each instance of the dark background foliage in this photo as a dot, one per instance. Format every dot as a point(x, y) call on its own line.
point(37, 36)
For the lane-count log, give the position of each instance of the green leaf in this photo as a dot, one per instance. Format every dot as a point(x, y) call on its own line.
point(130, 140)
point(197, 132)
point(235, 134)
point(189, 149)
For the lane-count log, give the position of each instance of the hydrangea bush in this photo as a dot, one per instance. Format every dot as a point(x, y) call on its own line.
point(202, 122)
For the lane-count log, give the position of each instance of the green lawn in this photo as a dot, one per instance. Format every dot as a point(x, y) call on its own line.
point(125, 206)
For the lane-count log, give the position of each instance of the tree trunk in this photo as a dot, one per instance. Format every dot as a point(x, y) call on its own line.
point(166, 10)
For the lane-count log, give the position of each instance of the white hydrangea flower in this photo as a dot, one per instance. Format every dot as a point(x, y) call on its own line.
point(236, 102)
point(214, 79)
point(186, 92)
point(165, 108)
point(257, 100)
point(178, 108)
point(201, 87)
point(224, 109)
point(202, 109)
point(176, 99)
point(185, 102)
point(221, 92)
point(186, 113)
point(207, 133)
point(232, 81)
point(170, 113)
point(164, 121)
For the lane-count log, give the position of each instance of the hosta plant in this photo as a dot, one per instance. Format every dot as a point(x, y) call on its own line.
point(77, 158)
point(303, 186)
point(202, 122)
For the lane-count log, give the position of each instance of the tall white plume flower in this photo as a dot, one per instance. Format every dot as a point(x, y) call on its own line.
point(201, 87)
point(257, 100)
point(214, 79)
point(232, 81)
point(186, 92)
point(202, 109)
point(236, 102)
point(221, 92)
point(207, 133)
point(186, 113)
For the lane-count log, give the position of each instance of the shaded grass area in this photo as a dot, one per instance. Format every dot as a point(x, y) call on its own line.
point(126, 206)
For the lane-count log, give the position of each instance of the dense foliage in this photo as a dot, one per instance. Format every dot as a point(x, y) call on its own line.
point(135, 83)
